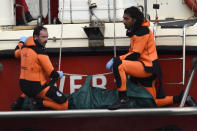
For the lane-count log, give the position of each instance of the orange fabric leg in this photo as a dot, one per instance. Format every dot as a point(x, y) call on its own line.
point(136, 69)
point(133, 68)
point(168, 100)
point(50, 103)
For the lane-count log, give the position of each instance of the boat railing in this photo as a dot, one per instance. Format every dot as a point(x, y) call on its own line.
point(183, 50)
point(174, 111)
point(186, 92)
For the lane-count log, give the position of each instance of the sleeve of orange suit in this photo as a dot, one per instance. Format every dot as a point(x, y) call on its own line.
point(46, 63)
point(17, 51)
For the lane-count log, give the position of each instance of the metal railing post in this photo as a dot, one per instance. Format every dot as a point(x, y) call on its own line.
point(183, 58)
point(184, 47)
point(49, 11)
point(186, 92)
point(145, 9)
point(40, 7)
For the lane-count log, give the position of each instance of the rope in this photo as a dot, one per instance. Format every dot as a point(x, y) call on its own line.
point(114, 28)
point(61, 43)
point(60, 54)
point(88, 75)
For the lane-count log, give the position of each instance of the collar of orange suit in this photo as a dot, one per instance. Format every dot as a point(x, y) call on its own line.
point(131, 31)
point(32, 42)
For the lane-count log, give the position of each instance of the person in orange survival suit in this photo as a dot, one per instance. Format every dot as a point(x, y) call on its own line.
point(36, 69)
point(141, 62)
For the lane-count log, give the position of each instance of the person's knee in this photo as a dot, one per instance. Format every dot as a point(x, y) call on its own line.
point(116, 65)
point(57, 96)
point(117, 62)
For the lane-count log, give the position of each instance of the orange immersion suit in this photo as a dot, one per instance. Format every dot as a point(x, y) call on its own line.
point(36, 69)
point(141, 62)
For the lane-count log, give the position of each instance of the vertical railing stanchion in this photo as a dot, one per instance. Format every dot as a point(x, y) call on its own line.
point(49, 11)
point(186, 92)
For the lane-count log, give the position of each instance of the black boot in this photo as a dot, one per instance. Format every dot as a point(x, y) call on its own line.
point(28, 17)
point(122, 102)
point(177, 99)
point(190, 101)
point(17, 105)
point(56, 21)
point(20, 22)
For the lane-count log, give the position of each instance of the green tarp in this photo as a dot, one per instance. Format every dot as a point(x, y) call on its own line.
point(88, 97)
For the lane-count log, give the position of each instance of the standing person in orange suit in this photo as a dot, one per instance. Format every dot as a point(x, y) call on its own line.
point(19, 12)
point(36, 70)
point(141, 62)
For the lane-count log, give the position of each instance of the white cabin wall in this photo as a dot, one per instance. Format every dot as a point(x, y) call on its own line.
point(73, 32)
point(34, 8)
point(176, 9)
point(7, 12)
point(77, 11)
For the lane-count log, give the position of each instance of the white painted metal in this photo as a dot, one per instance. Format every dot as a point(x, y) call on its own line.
point(168, 9)
point(34, 9)
point(77, 11)
point(176, 9)
point(62, 81)
point(7, 15)
point(74, 36)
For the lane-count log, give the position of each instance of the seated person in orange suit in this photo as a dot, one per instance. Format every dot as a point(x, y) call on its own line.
point(36, 69)
point(141, 62)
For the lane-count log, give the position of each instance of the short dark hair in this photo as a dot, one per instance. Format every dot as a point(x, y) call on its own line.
point(37, 30)
point(135, 12)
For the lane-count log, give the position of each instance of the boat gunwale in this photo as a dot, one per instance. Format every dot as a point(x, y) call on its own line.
point(167, 111)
